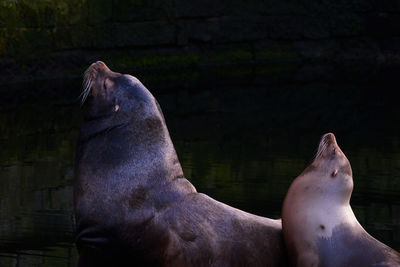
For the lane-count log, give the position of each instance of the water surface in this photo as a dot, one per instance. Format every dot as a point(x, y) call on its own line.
point(240, 141)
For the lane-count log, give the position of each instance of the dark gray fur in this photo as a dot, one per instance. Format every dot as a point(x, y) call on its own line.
point(133, 205)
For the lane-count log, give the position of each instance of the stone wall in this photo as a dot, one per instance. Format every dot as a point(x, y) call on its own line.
point(47, 38)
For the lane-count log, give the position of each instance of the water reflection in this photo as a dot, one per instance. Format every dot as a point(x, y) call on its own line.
point(240, 143)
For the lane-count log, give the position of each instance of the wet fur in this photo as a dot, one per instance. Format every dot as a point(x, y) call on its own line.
point(133, 205)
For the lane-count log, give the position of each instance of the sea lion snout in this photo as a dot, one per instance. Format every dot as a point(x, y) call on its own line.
point(99, 65)
point(328, 148)
point(329, 139)
point(97, 80)
point(97, 70)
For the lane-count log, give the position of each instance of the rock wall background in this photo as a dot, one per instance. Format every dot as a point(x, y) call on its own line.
point(48, 38)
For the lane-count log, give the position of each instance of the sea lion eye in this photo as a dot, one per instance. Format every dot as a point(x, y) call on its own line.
point(333, 154)
point(108, 83)
point(104, 87)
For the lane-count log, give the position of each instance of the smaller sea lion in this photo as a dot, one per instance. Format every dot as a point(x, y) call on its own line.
point(319, 226)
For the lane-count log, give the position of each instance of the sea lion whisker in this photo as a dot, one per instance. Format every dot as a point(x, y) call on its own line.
point(83, 94)
point(86, 84)
point(86, 92)
point(323, 145)
point(321, 148)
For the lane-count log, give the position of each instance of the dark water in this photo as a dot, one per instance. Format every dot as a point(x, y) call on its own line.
point(241, 141)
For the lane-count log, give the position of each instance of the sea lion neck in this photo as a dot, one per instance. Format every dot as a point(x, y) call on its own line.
point(127, 140)
point(327, 147)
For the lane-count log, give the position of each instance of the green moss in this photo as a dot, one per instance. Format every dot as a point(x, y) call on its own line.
point(35, 14)
point(3, 42)
point(154, 61)
point(76, 36)
point(99, 10)
point(276, 69)
point(276, 55)
point(230, 56)
point(127, 10)
point(7, 3)
point(163, 77)
point(24, 42)
point(26, 13)
point(70, 12)
point(51, 13)
point(8, 12)
point(179, 60)
point(27, 26)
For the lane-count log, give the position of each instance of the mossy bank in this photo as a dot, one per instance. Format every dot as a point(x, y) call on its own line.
point(48, 38)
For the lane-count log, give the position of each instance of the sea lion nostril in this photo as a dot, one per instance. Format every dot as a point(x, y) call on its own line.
point(329, 138)
point(98, 66)
point(326, 141)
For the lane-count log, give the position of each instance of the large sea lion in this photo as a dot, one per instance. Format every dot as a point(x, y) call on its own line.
point(133, 205)
point(319, 226)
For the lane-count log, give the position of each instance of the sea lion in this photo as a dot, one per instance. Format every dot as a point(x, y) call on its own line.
point(319, 226)
point(133, 205)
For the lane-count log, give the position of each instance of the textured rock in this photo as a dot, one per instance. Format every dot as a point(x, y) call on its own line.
point(99, 11)
point(73, 37)
point(70, 33)
point(141, 10)
point(134, 34)
point(199, 9)
point(198, 30)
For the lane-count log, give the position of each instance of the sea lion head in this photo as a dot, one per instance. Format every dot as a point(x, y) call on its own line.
point(330, 171)
point(107, 93)
point(123, 134)
point(331, 158)
point(113, 100)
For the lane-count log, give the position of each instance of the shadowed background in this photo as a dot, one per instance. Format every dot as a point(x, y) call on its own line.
point(247, 89)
